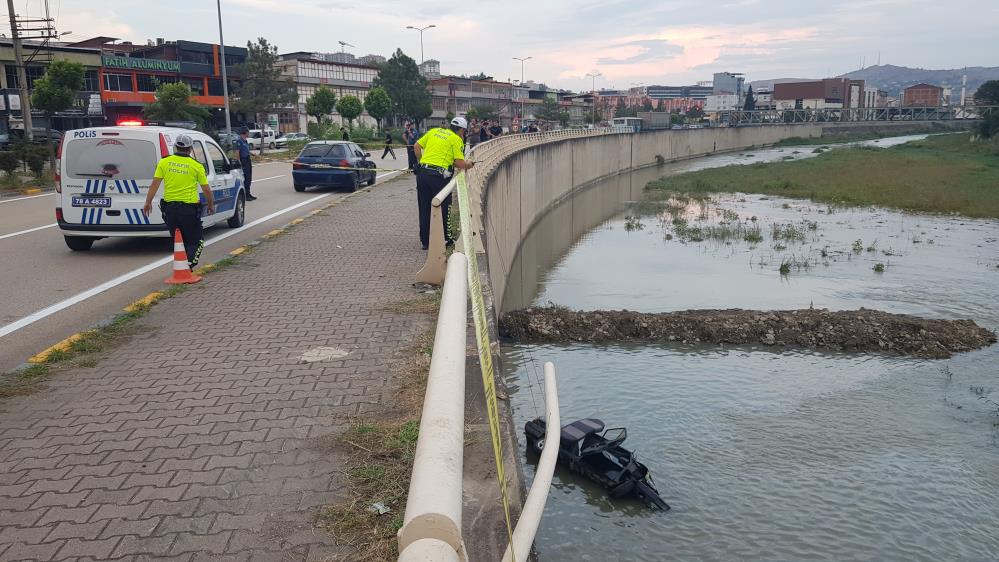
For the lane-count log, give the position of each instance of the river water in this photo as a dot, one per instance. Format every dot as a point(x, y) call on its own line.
point(767, 454)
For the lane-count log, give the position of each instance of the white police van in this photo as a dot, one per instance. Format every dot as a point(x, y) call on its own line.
point(105, 172)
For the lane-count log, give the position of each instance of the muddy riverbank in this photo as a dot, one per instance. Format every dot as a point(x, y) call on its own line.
point(860, 330)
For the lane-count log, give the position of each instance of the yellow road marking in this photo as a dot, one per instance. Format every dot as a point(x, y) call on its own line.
point(64, 345)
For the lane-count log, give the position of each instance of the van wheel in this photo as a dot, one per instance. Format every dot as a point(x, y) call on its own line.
point(79, 243)
point(239, 213)
point(271, 146)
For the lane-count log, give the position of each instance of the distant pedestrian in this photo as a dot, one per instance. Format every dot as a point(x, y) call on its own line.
point(344, 134)
point(484, 131)
point(439, 151)
point(388, 145)
point(181, 175)
point(532, 128)
point(243, 153)
point(410, 135)
point(496, 130)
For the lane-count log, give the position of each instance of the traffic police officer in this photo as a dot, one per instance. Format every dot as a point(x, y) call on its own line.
point(439, 152)
point(181, 175)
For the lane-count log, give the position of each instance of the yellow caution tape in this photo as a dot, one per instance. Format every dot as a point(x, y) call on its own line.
point(482, 342)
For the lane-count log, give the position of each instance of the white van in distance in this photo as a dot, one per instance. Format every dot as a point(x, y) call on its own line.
point(103, 174)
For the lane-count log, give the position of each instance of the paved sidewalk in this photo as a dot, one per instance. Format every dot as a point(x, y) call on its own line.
point(201, 438)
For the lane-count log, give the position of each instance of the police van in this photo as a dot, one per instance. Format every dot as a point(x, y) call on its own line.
point(104, 174)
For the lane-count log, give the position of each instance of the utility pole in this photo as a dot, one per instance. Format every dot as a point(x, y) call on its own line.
point(225, 80)
point(594, 103)
point(522, 85)
point(22, 79)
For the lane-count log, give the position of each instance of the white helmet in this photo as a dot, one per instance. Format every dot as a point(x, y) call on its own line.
point(460, 122)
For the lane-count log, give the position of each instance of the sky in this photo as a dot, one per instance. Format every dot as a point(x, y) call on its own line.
point(630, 43)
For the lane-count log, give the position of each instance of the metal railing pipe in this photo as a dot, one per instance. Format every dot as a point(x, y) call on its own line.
point(534, 505)
point(429, 550)
point(433, 507)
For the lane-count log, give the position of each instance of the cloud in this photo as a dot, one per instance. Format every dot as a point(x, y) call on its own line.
point(645, 50)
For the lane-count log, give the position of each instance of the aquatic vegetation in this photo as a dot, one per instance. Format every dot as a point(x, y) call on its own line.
point(873, 247)
point(858, 246)
point(632, 223)
point(879, 267)
point(753, 234)
point(787, 231)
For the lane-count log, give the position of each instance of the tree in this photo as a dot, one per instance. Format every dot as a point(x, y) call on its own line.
point(321, 104)
point(173, 103)
point(622, 110)
point(57, 91)
point(695, 112)
point(553, 112)
point(750, 104)
point(350, 108)
point(401, 79)
point(378, 104)
point(988, 94)
point(480, 76)
point(647, 104)
point(661, 106)
point(483, 112)
point(421, 112)
point(262, 88)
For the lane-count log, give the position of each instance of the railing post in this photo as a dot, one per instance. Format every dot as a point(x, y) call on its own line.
point(433, 507)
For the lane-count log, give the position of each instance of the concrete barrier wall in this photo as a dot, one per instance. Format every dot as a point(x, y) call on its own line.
point(529, 183)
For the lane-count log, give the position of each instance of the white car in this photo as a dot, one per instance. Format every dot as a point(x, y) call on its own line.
point(283, 140)
point(257, 136)
point(105, 172)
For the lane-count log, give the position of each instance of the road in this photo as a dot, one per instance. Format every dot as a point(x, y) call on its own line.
point(39, 274)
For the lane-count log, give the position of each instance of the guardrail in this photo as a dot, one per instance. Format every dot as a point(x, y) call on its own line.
point(487, 157)
point(431, 530)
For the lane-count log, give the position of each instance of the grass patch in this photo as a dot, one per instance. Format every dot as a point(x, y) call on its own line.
point(941, 174)
point(825, 141)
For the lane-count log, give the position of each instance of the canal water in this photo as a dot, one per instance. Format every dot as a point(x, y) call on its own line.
point(767, 454)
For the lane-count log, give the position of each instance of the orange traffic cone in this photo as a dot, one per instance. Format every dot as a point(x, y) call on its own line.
point(181, 271)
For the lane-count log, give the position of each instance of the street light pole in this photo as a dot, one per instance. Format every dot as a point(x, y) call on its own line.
point(421, 30)
point(225, 80)
point(594, 103)
point(522, 85)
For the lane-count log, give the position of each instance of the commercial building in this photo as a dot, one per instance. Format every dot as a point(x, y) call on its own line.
point(87, 110)
point(729, 83)
point(451, 94)
point(874, 97)
point(130, 74)
point(430, 69)
point(764, 98)
point(923, 95)
point(308, 72)
point(697, 92)
point(721, 102)
point(829, 93)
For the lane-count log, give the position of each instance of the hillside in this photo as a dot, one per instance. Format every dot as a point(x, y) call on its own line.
point(893, 78)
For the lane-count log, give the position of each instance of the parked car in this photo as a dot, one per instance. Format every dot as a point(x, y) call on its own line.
point(257, 136)
point(332, 164)
point(283, 140)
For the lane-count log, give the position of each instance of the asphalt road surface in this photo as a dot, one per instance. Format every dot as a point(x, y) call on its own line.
point(48, 292)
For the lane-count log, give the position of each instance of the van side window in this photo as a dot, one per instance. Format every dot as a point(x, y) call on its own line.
point(218, 158)
point(199, 155)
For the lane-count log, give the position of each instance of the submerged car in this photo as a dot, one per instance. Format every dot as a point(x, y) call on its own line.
point(332, 164)
point(601, 458)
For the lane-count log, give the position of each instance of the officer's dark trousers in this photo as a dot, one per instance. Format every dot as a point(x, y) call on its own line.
point(411, 155)
point(247, 173)
point(187, 218)
point(428, 183)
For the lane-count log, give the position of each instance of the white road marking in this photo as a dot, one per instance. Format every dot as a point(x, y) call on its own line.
point(80, 297)
point(2, 201)
point(13, 234)
point(270, 178)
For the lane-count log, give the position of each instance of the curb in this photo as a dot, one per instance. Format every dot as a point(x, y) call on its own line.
point(155, 296)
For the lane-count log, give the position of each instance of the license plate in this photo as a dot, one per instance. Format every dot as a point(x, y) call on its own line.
point(91, 201)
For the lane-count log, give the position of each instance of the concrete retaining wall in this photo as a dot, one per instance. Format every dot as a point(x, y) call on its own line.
point(529, 183)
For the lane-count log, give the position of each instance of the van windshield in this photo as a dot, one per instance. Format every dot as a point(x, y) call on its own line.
point(131, 159)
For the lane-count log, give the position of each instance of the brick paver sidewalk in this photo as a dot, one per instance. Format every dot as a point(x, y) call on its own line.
point(200, 438)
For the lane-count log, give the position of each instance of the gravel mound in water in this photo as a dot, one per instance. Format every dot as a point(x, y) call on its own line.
point(847, 330)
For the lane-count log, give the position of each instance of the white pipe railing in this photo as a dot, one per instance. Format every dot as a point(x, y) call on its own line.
point(433, 508)
point(534, 505)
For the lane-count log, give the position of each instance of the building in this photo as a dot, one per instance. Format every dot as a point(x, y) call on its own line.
point(874, 97)
point(697, 92)
point(922, 95)
point(721, 102)
point(86, 112)
point(430, 69)
point(764, 98)
point(130, 74)
point(729, 83)
point(371, 60)
point(309, 72)
point(457, 96)
point(829, 93)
